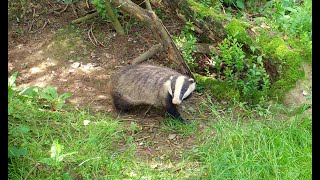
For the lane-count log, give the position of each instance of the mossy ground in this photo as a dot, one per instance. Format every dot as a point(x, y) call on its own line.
point(237, 29)
point(219, 89)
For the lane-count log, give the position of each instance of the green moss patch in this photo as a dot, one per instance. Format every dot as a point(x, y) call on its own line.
point(304, 47)
point(289, 62)
point(237, 29)
point(219, 89)
point(204, 11)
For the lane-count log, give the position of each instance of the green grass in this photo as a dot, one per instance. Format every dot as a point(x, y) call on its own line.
point(170, 125)
point(234, 142)
point(96, 146)
point(257, 148)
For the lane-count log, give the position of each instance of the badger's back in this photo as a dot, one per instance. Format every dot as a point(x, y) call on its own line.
point(141, 84)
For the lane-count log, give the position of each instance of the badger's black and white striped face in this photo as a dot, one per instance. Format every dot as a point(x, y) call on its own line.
point(180, 87)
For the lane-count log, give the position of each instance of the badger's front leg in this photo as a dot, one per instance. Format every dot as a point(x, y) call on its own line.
point(172, 110)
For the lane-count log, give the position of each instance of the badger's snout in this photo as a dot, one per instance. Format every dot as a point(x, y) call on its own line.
point(176, 101)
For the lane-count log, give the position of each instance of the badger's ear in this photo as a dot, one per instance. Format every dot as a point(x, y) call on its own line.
point(191, 80)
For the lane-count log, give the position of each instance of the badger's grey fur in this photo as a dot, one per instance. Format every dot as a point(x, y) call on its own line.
point(140, 84)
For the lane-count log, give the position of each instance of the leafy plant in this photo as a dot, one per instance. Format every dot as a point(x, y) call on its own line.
point(47, 96)
point(16, 152)
point(19, 130)
point(290, 16)
point(23, 8)
point(236, 3)
point(12, 85)
point(52, 99)
point(101, 7)
point(187, 41)
point(56, 155)
point(134, 128)
point(245, 72)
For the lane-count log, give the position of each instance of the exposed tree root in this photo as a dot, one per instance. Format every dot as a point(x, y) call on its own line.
point(152, 51)
point(84, 18)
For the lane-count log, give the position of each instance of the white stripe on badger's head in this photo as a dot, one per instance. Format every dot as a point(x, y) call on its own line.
point(181, 87)
point(167, 84)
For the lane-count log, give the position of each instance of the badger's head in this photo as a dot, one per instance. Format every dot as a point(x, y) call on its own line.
point(180, 87)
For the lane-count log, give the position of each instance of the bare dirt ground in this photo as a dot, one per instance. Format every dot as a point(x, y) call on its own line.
point(47, 50)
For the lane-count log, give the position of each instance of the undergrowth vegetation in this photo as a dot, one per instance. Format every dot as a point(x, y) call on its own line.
point(261, 68)
point(243, 72)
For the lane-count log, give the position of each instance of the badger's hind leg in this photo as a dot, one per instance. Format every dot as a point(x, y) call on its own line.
point(119, 102)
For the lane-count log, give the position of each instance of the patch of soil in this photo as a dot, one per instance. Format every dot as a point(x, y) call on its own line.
point(46, 50)
point(302, 93)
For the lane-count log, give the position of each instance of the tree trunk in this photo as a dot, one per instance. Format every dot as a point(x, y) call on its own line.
point(114, 19)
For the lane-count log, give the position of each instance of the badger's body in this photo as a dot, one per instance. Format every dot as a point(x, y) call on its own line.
point(144, 84)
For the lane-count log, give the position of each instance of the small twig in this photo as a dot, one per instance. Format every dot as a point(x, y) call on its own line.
point(31, 25)
point(149, 125)
point(31, 32)
point(51, 11)
point(101, 44)
point(224, 12)
point(142, 138)
point(34, 12)
point(44, 25)
point(91, 38)
point(50, 4)
point(64, 9)
point(94, 38)
point(34, 167)
point(97, 42)
point(147, 111)
point(87, 4)
point(74, 10)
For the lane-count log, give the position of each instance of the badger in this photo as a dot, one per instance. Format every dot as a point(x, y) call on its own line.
point(145, 84)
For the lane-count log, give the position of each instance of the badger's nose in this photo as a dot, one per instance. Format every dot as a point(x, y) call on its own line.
point(176, 101)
